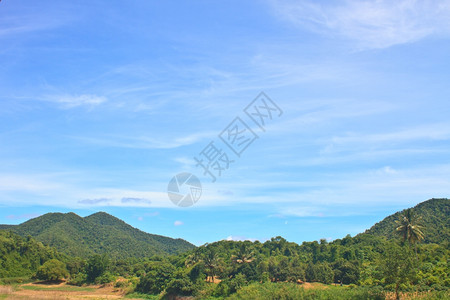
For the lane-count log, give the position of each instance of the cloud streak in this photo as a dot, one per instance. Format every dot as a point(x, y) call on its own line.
point(71, 101)
point(98, 201)
point(23, 216)
point(370, 24)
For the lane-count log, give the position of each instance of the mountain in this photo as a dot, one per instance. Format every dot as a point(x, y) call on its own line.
point(435, 215)
point(97, 233)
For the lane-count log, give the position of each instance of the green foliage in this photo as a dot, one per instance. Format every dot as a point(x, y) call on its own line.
point(78, 279)
point(346, 272)
point(229, 286)
point(369, 265)
point(434, 215)
point(96, 234)
point(52, 270)
point(23, 256)
point(96, 266)
point(106, 277)
point(289, 291)
point(397, 267)
point(181, 284)
point(157, 278)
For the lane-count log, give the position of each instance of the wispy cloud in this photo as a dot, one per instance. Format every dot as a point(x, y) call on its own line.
point(146, 142)
point(71, 101)
point(23, 216)
point(135, 200)
point(141, 217)
point(30, 22)
point(370, 23)
point(35, 183)
point(178, 223)
point(388, 140)
point(98, 201)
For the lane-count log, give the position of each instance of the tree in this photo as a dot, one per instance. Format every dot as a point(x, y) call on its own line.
point(346, 272)
point(52, 270)
point(243, 256)
point(157, 278)
point(397, 267)
point(96, 266)
point(409, 228)
point(212, 263)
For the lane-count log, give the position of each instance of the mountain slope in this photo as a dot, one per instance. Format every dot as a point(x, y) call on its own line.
point(435, 215)
point(97, 233)
point(22, 256)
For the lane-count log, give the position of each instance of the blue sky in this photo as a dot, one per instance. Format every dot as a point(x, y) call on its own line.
point(101, 104)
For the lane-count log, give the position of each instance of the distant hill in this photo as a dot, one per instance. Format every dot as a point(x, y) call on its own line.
point(435, 215)
point(97, 233)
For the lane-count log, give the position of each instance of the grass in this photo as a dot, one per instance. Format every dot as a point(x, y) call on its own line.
point(5, 291)
point(15, 280)
point(142, 296)
point(66, 288)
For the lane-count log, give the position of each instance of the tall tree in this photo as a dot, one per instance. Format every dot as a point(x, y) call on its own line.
point(212, 263)
point(397, 267)
point(409, 228)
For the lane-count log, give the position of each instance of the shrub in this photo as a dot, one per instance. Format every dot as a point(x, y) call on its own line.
point(52, 270)
point(156, 280)
point(79, 279)
point(105, 278)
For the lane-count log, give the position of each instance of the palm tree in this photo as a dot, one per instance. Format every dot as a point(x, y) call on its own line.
point(409, 228)
point(243, 256)
point(212, 263)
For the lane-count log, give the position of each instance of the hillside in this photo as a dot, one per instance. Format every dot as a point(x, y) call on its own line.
point(435, 215)
point(22, 256)
point(97, 233)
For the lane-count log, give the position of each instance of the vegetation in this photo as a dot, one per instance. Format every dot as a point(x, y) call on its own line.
point(99, 233)
point(23, 256)
point(367, 266)
point(52, 270)
point(434, 213)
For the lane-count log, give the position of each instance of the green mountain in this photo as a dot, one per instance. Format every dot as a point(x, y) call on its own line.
point(435, 215)
point(97, 233)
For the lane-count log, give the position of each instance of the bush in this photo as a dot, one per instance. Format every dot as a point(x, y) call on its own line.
point(96, 266)
point(105, 278)
point(180, 287)
point(79, 279)
point(52, 270)
point(156, 280)
point(230, 285)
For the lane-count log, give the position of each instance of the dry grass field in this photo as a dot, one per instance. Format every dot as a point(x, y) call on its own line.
point(59, 291)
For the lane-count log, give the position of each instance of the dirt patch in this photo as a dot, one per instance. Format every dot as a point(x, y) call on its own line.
point(313, 285)
point(62, 291)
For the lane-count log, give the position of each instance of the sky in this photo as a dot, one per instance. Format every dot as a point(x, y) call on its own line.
point(103, 103)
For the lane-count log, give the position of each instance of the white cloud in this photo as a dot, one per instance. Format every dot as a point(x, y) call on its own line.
point(237, 238)
point(386, 141)
point(371, 23)
point(178, 223)
point(70, 101)
point(34, 183)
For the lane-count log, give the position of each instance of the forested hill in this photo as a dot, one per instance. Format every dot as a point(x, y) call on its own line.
point(97, 233)
point(435, 215)
point(22, 256)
